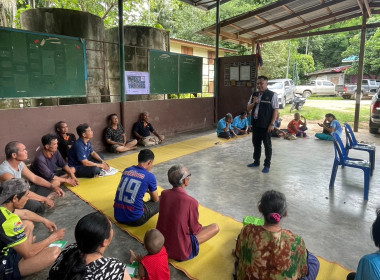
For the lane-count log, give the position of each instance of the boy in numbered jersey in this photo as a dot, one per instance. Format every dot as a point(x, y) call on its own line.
point(129, 207)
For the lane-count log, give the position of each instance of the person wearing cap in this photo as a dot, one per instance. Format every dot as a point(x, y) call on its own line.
point(136, 181)
point(178, 220)
point(14, 167)
point(49, 159)
point(19, 254)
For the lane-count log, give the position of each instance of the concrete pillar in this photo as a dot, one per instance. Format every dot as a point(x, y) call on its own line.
point(76, 24)
point(138, 40)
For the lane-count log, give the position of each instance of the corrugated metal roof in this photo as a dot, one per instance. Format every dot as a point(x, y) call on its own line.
point(204, 4)
point(288, 19)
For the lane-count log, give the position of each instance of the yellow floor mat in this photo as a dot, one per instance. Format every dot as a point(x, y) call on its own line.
point(215, 260)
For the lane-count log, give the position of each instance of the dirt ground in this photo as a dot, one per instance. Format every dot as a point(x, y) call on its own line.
point(332, 106)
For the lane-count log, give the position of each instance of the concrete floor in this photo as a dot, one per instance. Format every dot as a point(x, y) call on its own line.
point(334, 224)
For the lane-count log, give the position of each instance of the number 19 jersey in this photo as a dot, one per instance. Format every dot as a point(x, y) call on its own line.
point(134, 183)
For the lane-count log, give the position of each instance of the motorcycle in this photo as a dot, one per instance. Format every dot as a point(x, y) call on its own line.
point(298, 102)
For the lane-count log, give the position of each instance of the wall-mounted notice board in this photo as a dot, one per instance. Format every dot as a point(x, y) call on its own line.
point(174, 73)
point(37, 65)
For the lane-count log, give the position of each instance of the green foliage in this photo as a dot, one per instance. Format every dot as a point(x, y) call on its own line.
point(305, 64)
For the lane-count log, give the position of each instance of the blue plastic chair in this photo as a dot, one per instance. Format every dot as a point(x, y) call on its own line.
point(341, 158)
point(352, 143)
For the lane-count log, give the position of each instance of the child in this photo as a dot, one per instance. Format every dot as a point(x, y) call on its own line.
point(155, 265)
point(294, 126)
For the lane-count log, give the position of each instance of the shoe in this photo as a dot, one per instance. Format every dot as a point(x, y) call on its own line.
point(266, 169)
point(253, 164)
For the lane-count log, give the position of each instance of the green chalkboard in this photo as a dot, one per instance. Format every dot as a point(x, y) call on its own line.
point(174, 73)
point(190, 77)
point(163, 70)
point(36, 65)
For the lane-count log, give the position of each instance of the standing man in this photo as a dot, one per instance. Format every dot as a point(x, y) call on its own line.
point(129, 207)
point(49, 159)
point(264, 106)
point(65, 139)
point(82, 156)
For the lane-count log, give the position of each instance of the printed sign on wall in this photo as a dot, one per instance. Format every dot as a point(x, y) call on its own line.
point(137, 82)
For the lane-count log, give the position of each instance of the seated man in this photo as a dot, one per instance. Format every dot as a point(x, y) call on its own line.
point(49, 159)
point(277, 132)
point(178, 218)
point(14, 167)
point(142, 130)
point(20, 255)
point(82, 156)
point(65, 139)
point(240, 124)
point(129, 207)
point(116, 138)
point(294, 126)
point(224, 129)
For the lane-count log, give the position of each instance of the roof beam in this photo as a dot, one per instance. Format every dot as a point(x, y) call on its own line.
point(324, 32)
point(367, 8)
point(330, 16)
point(360, 6)
point(312, 9)
point(248, 14)
point(234, 37)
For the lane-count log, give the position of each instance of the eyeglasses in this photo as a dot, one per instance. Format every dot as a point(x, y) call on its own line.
point(188, 176)
point(185, 176)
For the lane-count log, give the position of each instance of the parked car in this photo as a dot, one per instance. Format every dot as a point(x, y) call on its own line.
point(374, 120)
point(369, 88)
point(317, 87)
point(285, 90)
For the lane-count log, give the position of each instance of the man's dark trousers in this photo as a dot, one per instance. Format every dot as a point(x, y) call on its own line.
point(261, 135)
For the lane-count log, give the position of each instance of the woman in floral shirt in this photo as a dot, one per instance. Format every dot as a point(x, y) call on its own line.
point(270, 252)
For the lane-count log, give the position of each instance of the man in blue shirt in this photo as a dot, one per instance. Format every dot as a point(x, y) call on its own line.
point(240, 124)
point(224, 129)
point(369, 265)
point(82, 156)
point(129, 207)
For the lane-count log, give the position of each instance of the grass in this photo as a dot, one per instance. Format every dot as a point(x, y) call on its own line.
point(325, 98)
point(342, 114)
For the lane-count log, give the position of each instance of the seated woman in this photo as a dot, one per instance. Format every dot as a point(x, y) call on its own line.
point(116, 137)
point(296, 127)
point(84, 259)
point(369, 265)
point(261, 251)
point(240, 124)
point(330, 126)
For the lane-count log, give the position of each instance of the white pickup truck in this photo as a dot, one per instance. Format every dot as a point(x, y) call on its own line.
point(317, 87)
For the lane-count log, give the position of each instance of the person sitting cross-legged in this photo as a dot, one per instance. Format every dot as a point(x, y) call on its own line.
point(224, 128)
point(142, 130)
point(296, 127)
point(178, 218)
point(87, 162)
point(240, 124)
point(129, 206)
point(49, 159)
point(116, 137)
point(270, 251)
point(20, 255)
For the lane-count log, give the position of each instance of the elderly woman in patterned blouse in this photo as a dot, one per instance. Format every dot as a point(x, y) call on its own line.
point(271, 252)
